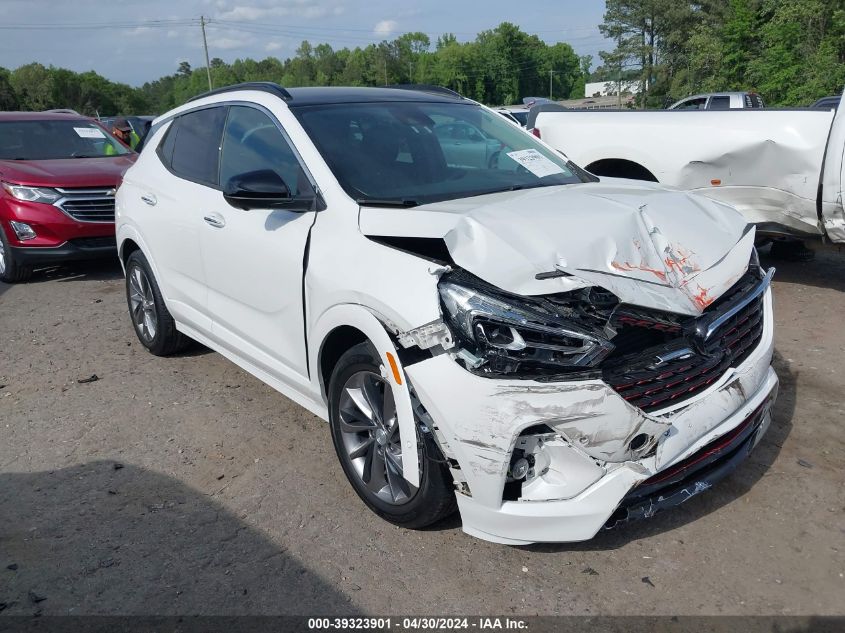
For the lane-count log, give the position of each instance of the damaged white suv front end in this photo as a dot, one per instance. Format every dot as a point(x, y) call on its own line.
point(641, 381)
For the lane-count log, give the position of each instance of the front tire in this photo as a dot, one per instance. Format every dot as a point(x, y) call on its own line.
point(11, 271)
point(151, 319)
point(365, 433)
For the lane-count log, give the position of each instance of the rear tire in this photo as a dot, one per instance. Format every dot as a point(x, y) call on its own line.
point(366, 438)
point(151, 319)
point(11, 271)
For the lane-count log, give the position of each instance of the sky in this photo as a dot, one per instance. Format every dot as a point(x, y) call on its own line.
point(135, 41)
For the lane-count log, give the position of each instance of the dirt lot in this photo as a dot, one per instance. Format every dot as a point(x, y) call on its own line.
point(184, 485)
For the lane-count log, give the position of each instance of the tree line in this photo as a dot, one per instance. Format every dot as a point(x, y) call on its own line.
point(789, 51)
point(499, 67)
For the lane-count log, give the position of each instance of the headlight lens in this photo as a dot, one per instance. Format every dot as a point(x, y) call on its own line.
point(32, 194)
point(512, 334)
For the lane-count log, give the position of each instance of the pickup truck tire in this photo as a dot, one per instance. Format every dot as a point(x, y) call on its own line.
point(366, 438)
point(151, 319)
point(10, 270)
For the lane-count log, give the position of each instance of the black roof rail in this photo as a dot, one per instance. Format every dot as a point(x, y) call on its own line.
point(263, 86)
point(440, 90)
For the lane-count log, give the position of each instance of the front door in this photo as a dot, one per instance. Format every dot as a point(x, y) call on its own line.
point(253, 259)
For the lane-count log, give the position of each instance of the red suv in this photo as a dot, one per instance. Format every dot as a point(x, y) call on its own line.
point(58, 174)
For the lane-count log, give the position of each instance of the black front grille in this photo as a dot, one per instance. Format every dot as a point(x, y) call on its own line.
point(94, 242)
point(669, 373)
point(88, 205)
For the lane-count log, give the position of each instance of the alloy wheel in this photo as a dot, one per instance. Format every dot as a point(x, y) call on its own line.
point(370, 434)
point(142, 304)
point(2, 257)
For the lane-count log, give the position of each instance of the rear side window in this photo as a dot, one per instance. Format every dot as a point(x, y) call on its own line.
point(165, 148)
point(720, 103)
point(196, 145)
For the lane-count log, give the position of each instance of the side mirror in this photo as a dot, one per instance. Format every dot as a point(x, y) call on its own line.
point(263, 189)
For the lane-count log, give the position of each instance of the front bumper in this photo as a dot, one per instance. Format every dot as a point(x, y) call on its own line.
point(72, 250)
point(593, 469)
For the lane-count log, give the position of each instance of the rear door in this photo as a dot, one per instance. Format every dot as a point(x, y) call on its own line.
point(253, 259)
point(175, 191)
point(831, 211)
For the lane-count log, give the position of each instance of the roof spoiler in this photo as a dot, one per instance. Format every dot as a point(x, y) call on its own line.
point(262, 86)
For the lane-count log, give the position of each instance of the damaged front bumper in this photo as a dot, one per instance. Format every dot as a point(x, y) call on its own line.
point(595, 449)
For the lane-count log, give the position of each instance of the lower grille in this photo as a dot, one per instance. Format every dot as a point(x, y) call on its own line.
point(94, 242)
point(668, 374)
point(88, 205)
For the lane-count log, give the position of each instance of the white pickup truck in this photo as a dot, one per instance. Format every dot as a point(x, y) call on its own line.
point(782, 169)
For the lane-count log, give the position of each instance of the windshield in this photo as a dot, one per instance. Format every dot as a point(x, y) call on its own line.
point(414, 153)
point(52, 139)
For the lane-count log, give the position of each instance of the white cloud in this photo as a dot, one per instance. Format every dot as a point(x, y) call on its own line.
point(385, 27)
point(225, 43)
point(274, 46)
point(289, 8)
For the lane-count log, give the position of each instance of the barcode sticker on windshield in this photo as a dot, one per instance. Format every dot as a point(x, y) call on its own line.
point(89, 132)
point(536, 163)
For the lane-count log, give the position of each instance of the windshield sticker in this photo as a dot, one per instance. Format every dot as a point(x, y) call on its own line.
point(536, 163)
point(89, 132)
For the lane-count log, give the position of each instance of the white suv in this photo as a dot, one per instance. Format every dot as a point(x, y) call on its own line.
point(505, 333)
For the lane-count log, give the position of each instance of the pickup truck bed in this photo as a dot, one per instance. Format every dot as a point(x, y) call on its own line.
point(766, 163)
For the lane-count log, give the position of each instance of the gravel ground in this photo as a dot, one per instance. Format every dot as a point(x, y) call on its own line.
point(185, 486)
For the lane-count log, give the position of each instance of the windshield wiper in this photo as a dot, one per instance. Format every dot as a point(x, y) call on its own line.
point(402, 203)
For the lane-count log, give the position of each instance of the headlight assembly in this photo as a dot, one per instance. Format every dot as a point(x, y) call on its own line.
point(32, 194)
point(510, 334)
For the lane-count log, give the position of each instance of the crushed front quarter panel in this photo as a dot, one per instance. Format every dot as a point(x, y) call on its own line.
point(482, 418)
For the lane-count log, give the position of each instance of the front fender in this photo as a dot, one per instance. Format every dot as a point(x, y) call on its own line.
point(365, 321)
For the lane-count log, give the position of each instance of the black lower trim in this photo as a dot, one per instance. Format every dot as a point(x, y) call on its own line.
point(692, 476)
point(72, 250)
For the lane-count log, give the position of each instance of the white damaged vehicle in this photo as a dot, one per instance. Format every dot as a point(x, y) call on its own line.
point(505, 334)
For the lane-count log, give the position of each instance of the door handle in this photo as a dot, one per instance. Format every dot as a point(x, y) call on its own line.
point(149, 198)
point(215, 220)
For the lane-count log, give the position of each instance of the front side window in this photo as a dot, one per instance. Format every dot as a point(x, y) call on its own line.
point(692, 104)
point(253, 142)
point(196, 145)
point(52, 139)
point(415, 153)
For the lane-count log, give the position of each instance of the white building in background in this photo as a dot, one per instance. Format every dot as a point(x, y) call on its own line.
point(609, 88)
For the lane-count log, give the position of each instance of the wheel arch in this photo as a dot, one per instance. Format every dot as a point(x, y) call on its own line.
point(333, 333)
point(620, 168)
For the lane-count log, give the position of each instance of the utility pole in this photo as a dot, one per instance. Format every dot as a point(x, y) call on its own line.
point(551, 74)
point(205, 46)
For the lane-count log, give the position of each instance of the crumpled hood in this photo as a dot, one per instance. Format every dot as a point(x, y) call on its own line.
point(67, 172)
point(650, 246)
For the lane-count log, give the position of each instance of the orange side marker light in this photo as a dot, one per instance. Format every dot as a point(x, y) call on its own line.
point(394, 368)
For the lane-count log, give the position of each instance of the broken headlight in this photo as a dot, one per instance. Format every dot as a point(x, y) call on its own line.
point(507, 334)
